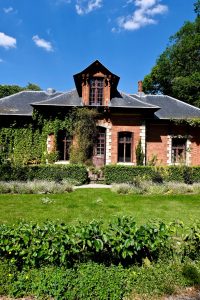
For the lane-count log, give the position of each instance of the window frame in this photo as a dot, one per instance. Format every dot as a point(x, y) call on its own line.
point(96, 93)
point(125, 142)
point(177, 158)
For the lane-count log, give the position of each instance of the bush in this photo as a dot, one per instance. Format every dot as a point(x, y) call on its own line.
point(44, 172)
point(128, 174)
point(122, 241)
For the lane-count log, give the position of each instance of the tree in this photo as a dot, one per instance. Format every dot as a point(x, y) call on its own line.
point(33, 87)
point(7, 90)
point(177, 70)
point(197, 7)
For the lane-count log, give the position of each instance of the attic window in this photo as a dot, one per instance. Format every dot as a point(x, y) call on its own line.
point(96, 91)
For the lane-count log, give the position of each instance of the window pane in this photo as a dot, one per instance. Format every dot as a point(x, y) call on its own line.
point(178, 150)
point(128, 152)
point(124, 146)
point(96, 91)
point(121, 153)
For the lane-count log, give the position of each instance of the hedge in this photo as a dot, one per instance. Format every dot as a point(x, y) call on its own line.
point(127, 174)
point(72, 172)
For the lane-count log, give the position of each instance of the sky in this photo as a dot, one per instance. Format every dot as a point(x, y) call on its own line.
point(46, 42)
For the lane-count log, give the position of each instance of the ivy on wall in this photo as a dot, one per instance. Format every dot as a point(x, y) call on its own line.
point(25, 142)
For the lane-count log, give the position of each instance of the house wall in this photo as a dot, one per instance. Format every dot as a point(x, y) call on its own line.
point(159, 140)
point(195, 147)
point(120, 124)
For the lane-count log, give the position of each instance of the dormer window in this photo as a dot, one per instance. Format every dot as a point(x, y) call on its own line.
point(96, 91)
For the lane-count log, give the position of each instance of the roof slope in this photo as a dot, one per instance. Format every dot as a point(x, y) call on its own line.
point(65, 99)
point(170, 108)
point(129, 101)
point(20, 103)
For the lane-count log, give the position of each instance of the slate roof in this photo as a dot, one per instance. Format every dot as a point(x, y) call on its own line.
point(20, 103)
point(65, 99)
point(164, 107)
point(170, 108)
point(130, 101)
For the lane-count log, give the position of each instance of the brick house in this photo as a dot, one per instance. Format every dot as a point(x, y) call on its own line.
point(126, 119)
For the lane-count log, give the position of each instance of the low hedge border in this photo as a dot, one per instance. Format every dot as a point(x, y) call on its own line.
point(77, 173)
point(127, 174)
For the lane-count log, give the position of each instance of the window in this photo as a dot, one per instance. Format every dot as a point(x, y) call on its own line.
point(178, 150)
point(96, 91)
point(100, 145)
point(124, 146)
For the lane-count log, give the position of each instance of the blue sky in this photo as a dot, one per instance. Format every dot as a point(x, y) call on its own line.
point(47, 41)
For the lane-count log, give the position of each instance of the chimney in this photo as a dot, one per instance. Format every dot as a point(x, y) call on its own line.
point(140, 89)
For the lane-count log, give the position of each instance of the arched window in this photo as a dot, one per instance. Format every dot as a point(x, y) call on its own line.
point(96, 91)
point(124, 147)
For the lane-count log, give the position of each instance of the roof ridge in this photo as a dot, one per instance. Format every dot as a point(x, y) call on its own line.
point(21, 92)
point(53, 98)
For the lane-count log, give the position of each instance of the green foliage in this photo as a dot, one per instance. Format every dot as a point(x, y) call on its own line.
point(85, 131)
point(7, 90)
point(57, 173)
point(197, 7)
point(176, 72)
point(120, 242)
point(139, 154)
point(33, 87)
point(85, 281)
point(96, 281)
point(127, 174)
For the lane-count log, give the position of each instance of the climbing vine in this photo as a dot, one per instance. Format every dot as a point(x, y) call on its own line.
point(193, 122)
point(26, 142)
point(84, 131)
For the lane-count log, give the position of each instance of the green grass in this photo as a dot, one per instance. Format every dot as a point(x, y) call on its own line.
point(89, 204)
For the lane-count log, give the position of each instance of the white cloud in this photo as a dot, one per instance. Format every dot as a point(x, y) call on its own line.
point(42, 43)
point(7, 41)
point(85, 6)
point(144, 14)
point(8, 10)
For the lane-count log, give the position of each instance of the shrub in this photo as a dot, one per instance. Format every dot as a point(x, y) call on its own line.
point(125, 174)
point(56, 173)
point(128, 174)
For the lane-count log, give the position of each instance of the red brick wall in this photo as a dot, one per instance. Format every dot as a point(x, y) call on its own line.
point(156, 142)
point(128, 124)
point(195, 147)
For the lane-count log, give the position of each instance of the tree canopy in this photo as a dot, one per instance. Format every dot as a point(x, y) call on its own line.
point(7, 90)
point(177, 70)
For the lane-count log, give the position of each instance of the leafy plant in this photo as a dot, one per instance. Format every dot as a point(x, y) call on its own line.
point(139, 154)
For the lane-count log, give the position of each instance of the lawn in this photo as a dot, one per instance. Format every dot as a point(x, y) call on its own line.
point(89, 204)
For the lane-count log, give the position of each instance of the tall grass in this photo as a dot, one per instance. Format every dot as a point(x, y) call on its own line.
point(35, 187)
point(151, 188)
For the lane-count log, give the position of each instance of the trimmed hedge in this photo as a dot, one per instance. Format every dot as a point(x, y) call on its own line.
point(57, 173)
point(127, 174)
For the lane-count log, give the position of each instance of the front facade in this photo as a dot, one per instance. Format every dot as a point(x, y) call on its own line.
point(160, 123)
